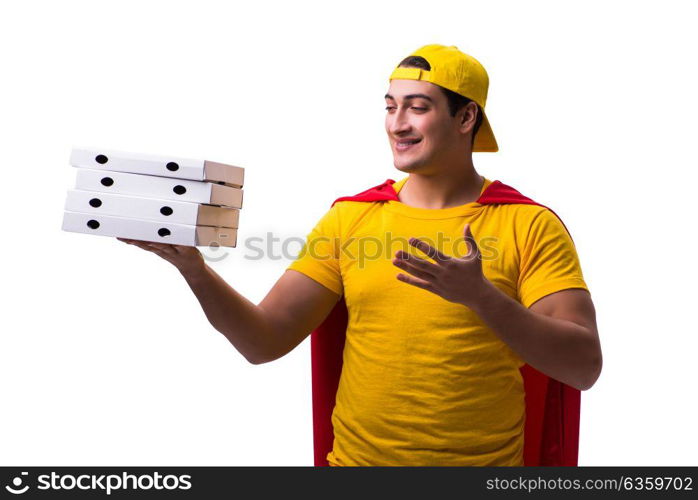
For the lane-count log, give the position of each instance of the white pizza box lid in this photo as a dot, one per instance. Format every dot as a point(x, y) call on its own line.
point(147, 230)
point(151, 186)
point(164, 166)
point(134, 207)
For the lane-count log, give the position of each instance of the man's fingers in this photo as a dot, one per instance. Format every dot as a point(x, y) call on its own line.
point(429, 250)
point(179, 248)
point(416, 282)
point(473, 250)
point(406, 261)
point(152, 246)
point(408, 267)
point(164, 247)
point(137, 243)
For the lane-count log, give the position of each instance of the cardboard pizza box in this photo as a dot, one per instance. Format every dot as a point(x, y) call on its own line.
point(146, 230)
point(151, 186)
point(163, 166)
point(133, 207)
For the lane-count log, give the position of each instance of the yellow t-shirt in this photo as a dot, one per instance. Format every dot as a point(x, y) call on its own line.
point(424, 381)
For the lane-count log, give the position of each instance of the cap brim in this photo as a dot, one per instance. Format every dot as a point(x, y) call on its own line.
point(484, 139)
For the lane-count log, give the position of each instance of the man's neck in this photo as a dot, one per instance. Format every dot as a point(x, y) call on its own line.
point(444, 190)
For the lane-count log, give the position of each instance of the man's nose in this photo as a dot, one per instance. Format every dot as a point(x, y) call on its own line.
point(399, 123)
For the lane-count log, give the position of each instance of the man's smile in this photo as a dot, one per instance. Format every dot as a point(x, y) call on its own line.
point(405, 144)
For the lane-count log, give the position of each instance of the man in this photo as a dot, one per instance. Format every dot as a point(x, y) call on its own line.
point(447, 297)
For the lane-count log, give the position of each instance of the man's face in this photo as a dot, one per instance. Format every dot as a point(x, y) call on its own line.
point(418, 111)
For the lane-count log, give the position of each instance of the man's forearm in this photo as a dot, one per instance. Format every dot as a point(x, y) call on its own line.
point(559, 348)
point(239, 320)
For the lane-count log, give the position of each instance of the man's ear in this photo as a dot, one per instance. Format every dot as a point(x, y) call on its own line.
point(465, 116)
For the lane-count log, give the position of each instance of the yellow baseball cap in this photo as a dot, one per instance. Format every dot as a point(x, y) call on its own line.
point(460, 73)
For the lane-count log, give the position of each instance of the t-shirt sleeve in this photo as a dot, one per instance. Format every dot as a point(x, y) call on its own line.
point(548, 260)
point(319, 257)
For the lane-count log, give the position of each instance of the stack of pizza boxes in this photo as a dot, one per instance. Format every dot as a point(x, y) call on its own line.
point(154, 198)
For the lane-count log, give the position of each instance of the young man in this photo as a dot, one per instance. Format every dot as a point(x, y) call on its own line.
point(447, 297)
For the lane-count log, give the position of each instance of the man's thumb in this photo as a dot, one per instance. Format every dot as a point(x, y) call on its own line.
point(473, 250)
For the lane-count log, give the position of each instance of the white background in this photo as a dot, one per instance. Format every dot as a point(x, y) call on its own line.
point(106, 357)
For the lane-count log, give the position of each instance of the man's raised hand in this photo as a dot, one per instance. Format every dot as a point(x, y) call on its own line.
point(458, 280)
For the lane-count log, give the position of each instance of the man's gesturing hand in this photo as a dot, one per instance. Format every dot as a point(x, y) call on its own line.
point(455, 279)
point(186, 259)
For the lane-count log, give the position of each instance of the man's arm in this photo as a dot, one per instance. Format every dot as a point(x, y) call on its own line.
point(294, 306)
point(557, 335)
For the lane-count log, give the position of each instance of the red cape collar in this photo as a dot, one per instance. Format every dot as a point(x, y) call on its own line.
point(496, 192)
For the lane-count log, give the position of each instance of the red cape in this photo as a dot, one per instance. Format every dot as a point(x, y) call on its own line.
point(551, 435)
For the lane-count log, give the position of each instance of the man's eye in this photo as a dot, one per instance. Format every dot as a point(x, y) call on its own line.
point(388, 108)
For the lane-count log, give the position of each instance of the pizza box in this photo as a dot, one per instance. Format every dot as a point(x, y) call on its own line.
point(151, 186)
point(133, 207)
point(146, 230)
point(164, 166)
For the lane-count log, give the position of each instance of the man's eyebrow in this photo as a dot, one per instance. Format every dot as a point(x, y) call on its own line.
point(412, 96)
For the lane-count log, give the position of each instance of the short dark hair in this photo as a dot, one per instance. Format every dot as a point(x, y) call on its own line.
point(456, 102)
